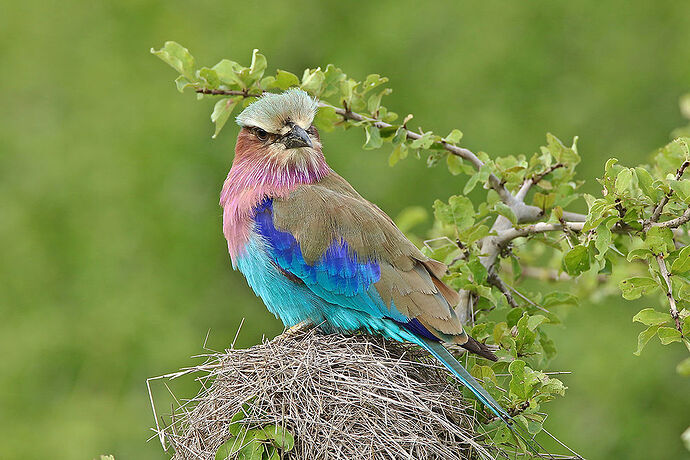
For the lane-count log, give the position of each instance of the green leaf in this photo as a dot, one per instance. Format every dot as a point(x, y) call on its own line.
point(534, 426)
point(236, 426)
point(635, 287)
point(280, 437)
point(257, 67)
point(459, 211)
point(534, 321)
point(484, 373)
point(398, 153)
point(230, 447)
point(388, 132)
point(543, 201)
point(523, 379)
point(478, 270)
point(423, 142)
point(471, 183)
point(682, 262)
point(682, 189)
point(644, 337)
point(272, 453)
point(603, 240)
point(326, 118)
point(651, 317)
point(229, 73)
point(560, 152)
point(283, 80)
point(181, 83)
point(373, 138)
point(254, 450)
point(453, 137)
point(683, 368)
point(372, 81)
point(347, 88)
point(548, 346)
point(400, 136)
point(598, 210)
point(576, 261)
point(668, 335)
point(313, 80)
point(659, 240)
point(506, 211)
point(333, 77)
point(209, 78)
point(374, 101)
point(503, 435)
point(178, 57)
point(455, 164)
point(221, 113)
point(473, 233)
point(623, 182)
point(517, 382)
point(642, 253)
point(480, 177)
point(645, 181)
point(482, 291)
point(559, 298)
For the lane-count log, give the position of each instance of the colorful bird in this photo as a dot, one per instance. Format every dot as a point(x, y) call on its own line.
point(316, 252)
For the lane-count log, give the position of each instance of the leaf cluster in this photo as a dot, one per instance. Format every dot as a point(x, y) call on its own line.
point(248, 442)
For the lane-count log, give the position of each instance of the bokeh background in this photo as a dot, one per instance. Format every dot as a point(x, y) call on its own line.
point(113, 266)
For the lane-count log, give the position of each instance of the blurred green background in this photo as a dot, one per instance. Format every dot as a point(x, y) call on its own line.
point(113, 265)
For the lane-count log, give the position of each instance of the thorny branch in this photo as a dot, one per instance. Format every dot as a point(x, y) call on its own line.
point(669, 291)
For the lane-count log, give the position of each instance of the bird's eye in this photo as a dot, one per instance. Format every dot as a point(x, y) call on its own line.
point(261, 134)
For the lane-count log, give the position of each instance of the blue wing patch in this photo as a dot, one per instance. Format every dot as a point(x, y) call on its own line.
point(337, 276)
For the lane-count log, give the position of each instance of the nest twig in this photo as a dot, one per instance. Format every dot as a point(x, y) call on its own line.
point(353, 398)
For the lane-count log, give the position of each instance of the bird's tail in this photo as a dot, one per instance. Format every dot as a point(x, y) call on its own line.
point(449, 362)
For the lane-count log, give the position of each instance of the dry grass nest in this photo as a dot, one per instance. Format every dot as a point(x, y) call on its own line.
point(342, 397)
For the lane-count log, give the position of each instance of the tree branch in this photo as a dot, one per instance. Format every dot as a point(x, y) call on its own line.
point(656, 214)
point(495, 280)
point(535, 179)
point(669, 291)
point(505, 236)
point(550, 274)
point(674, 223)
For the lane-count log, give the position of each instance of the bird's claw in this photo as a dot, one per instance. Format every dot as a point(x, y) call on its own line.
point(298, 328)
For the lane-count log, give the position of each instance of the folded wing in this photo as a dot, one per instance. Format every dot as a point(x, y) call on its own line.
point(350, 253)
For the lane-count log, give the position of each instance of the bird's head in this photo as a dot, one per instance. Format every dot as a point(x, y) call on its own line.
point(277, 130)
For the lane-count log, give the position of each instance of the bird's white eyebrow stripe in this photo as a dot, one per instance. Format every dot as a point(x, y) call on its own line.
point(272, 111)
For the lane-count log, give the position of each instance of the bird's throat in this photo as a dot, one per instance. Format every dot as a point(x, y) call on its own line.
point(253, 178)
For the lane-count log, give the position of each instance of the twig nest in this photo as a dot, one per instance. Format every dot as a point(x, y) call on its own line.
point(350, 398)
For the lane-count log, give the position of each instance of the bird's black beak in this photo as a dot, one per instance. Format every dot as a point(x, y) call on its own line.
point(297, 137)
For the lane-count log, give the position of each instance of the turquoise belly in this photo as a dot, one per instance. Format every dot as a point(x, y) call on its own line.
point(293, 302)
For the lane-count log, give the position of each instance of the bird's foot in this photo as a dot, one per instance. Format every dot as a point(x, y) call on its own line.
point(298, 328)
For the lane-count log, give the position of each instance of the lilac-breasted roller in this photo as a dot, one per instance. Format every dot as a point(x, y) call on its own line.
point(317, 252)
